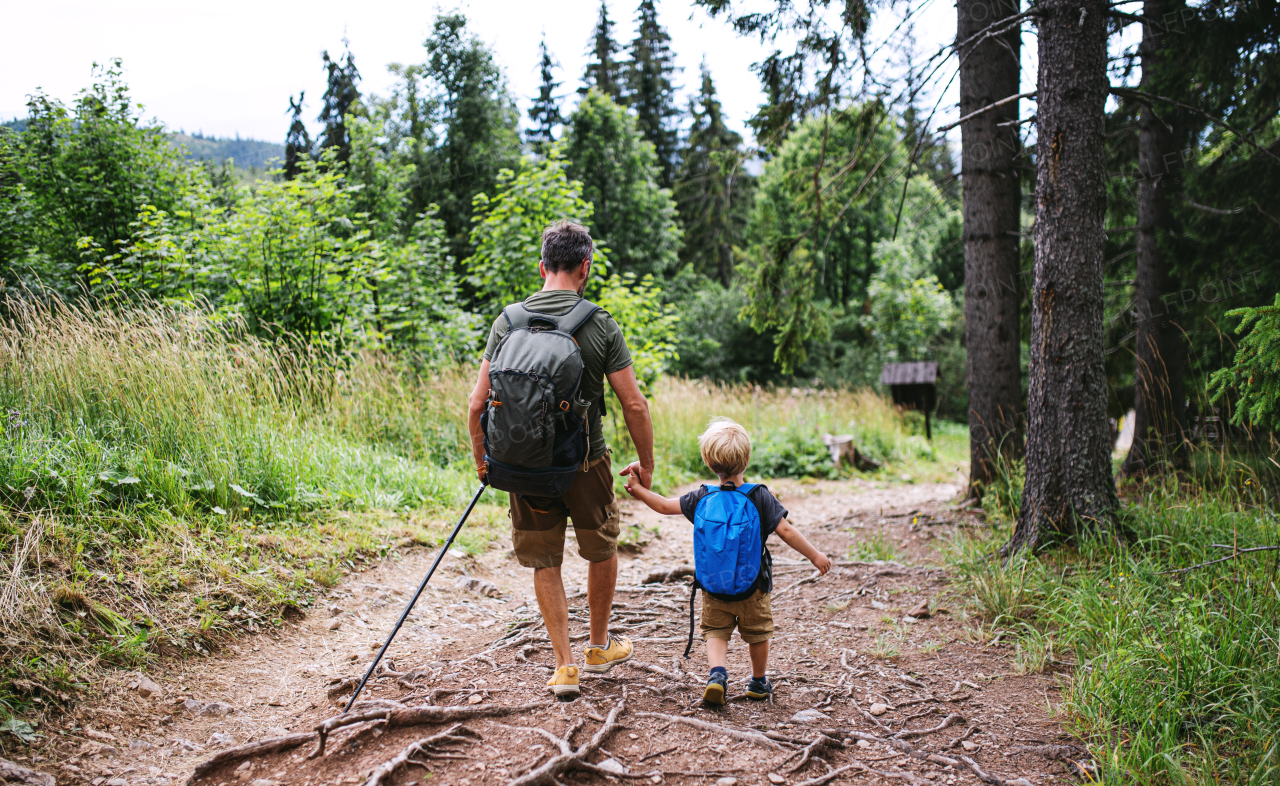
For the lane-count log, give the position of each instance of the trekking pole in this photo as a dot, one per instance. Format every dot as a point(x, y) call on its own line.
point(443, 550)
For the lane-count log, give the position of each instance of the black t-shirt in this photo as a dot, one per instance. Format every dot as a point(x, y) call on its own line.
point(771, 515)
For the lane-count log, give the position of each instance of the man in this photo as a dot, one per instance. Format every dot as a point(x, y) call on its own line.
point(538, 523)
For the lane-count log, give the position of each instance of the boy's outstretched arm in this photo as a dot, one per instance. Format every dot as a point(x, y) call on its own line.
point(659, 504)
point(792, 537)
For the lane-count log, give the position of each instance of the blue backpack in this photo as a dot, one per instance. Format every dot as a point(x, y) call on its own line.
point(728, 547)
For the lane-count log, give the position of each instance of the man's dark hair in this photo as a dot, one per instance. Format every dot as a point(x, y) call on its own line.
point(564, 245)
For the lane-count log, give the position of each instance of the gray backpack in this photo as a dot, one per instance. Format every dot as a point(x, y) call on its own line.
point(535, 427)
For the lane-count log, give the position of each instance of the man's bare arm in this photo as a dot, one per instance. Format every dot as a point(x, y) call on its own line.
point(635, 410)
point(475, 407)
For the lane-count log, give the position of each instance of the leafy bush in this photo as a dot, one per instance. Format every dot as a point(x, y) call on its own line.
point(508, 228)
point(790, 456)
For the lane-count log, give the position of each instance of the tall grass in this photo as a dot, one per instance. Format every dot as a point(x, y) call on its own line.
point(167, 408)
point(1174, 666)
point(785, 425)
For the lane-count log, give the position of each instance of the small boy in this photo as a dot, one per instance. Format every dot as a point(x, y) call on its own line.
point(726, 449)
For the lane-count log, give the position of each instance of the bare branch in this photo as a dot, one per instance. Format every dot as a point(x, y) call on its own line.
point(1216, 561)
point(984, 110)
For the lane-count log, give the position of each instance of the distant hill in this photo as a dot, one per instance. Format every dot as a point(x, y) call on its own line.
point(247, 153)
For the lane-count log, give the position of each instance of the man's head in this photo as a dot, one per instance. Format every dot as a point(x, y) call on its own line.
point(566, 249)
point(726, 448)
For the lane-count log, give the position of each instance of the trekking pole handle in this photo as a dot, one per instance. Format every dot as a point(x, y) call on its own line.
point(405, 614)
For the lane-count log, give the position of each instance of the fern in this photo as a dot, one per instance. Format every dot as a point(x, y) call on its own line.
point(1256, 373)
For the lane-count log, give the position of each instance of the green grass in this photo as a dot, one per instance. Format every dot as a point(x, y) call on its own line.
point(1174, 677)
point(876, 547)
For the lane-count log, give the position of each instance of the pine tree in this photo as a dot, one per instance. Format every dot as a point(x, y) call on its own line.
point(712, 191)
point(604, 73)
point(633, 215)
point(545, 112)
point(1069, 488)
point(992, 210)
point(782, 79)
point(341, 98)
point(650, 93)
point(1160, 351)
point(298, 143)
point(473, 125)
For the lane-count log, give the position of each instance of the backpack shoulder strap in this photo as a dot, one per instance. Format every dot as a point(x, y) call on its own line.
point(747, 488)
point(693, 592)
point(521, 316)
point(576, 317)
point(518, 316)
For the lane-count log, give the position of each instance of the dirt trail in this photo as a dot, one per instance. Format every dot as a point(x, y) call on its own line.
point(845, 643)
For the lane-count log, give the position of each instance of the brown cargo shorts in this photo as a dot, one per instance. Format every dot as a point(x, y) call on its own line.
point(538, 523)
point(753, 618)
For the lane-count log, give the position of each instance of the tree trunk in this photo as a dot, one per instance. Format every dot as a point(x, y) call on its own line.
point(1159, 397)
point(1069, 485)
point(992, 217)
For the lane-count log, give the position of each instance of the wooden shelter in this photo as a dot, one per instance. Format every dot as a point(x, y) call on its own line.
point(914, 386)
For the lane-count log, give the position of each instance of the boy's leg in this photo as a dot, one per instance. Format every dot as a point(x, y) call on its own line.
point(759, 652)
point(718, 652)
point(756, 627)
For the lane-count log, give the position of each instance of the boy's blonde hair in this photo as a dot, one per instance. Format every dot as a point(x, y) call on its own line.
point(726, 448)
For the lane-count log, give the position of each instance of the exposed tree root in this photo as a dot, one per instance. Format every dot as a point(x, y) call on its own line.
point(259, 748)
point(1064, 754)
point(868, 717)
point(415, 716)
point(936, 758)
point(433, 695)
point(967, 734)
point(914, 780)
point(571, 758)
point(340, 686)
point(830, 776)
point(423, 747)
point(738, 734)
point(950, 720)
point(819, 744)
point(661, 672)
point(662, 577)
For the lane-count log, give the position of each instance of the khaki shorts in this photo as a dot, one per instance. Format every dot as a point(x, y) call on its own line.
point(753, 617)
point(538, 523)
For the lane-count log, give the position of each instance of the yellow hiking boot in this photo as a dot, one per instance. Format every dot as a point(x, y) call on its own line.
point(564, 682)
point(601, 659)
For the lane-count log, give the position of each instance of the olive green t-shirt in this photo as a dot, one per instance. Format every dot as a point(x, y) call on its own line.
point(603, 347)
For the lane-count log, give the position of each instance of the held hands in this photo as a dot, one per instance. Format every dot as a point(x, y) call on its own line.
point(633, 480)
point(634, 473)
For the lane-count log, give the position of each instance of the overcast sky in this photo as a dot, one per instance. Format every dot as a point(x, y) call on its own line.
point(228, 68)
